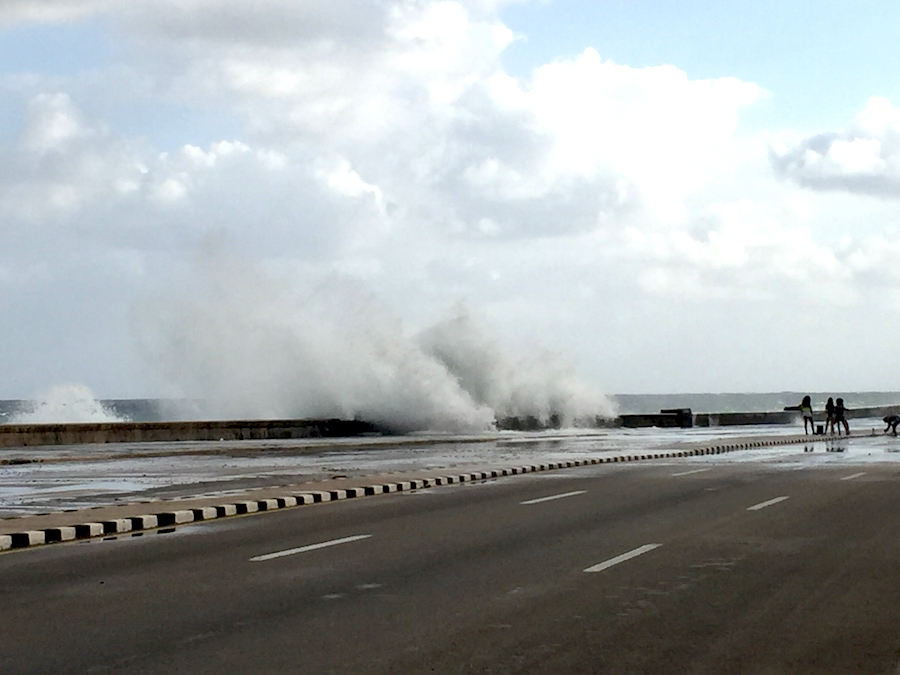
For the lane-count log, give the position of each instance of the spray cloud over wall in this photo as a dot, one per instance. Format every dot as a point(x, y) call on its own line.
point(244, 345)
point(536, 385)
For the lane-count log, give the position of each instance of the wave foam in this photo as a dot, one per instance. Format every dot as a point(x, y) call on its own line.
point(65, 403)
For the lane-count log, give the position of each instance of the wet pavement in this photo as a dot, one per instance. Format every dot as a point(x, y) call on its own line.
point(55, 478)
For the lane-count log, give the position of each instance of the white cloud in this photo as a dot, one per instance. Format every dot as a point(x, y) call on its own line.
point(54, 123)
point(654, 125)
point(423, 113)
point(61, 164)
point(862, 158)
point(264, 23)
point(16, 12)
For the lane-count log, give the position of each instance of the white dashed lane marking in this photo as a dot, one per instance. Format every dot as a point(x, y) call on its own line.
point(311, 547)
point(854, 475)
point(599, 567)
point(762, 505)
point(552, 497)
point(688, 473)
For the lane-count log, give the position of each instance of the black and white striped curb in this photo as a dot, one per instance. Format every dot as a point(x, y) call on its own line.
point(105, 528)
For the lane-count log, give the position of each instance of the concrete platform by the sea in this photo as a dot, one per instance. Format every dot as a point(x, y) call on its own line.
point(30, 435)
point(21, 435)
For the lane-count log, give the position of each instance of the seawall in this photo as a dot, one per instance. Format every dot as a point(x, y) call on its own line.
point(18, 435)
point(23, 435)
point(684, 418)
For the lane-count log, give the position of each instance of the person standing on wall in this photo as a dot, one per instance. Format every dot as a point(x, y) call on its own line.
point(807, 413)
point(829, 414)
point(840, 417)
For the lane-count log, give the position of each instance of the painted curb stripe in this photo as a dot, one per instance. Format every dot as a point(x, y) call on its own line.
point(88, 530)
point(205, 513)
point(27, 538)
point(18, 540)
point(55, 534)
point(116, 526)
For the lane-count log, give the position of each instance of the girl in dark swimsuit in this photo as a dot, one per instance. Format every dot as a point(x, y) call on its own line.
point(839, 416)
point(829, 415)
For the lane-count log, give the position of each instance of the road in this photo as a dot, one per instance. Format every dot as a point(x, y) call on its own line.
point(656, 567)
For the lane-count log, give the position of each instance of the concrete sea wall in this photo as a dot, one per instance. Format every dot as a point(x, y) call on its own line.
point(23, 435)
point(684, 418)
point(18, 435)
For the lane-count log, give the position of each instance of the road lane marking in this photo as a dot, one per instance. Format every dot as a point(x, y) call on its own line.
point(547, 499)
point(599, 567)
point(311, 547)
point(757, 507)
point(688, 473)
point(855, 475)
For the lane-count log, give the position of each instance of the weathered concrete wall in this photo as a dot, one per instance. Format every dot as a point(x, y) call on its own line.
point(666, 419)
point(674, 417)
point(21, 435)
point(682, 420)
point(881, 411)
point(736, 418)
point(18, 435)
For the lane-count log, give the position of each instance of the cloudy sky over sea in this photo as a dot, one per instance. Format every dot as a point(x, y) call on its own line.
point(657, 197)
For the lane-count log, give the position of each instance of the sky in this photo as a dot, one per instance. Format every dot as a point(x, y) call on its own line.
point(205, 196)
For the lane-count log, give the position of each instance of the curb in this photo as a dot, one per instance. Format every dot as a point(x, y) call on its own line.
point(154, 521)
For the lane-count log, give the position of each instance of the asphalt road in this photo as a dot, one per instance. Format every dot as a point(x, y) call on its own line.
point(656, 567)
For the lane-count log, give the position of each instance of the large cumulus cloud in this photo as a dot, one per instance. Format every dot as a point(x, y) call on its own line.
point(419, 115)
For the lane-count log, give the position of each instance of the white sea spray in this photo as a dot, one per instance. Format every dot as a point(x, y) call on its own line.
point(243, 343)
point(541, 384)
point(65, 403)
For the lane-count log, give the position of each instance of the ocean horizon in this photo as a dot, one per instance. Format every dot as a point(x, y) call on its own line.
point(160, 409)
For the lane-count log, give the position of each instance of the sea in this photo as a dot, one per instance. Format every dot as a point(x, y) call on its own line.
point(156, 410)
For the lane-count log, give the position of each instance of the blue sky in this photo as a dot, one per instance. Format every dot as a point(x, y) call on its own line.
point(615, 197)
point(56, 49)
